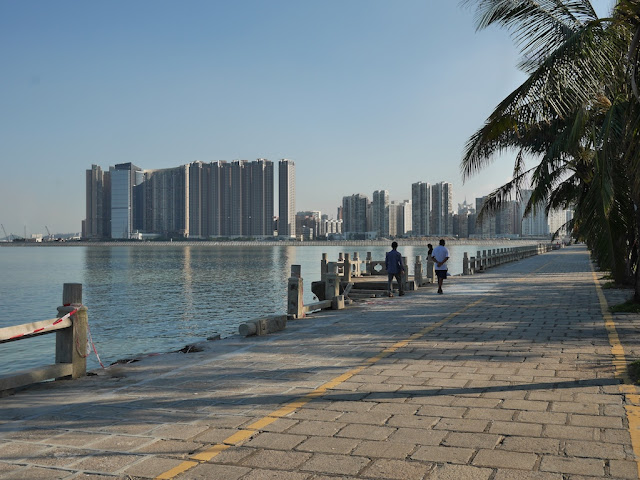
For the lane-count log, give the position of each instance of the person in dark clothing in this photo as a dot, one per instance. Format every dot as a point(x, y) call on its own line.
point(393, 263)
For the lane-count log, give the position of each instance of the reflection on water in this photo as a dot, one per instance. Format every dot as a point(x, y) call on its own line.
point(148, 299)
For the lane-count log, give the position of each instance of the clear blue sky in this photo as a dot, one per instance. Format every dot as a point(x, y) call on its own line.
point(361, 94)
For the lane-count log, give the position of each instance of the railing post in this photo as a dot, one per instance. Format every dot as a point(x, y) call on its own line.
point(465, 264)
point(323, 266)
point(295, 306)
point(417, 271)
point(368, 267)
point(405, 274)
point(431, 270)
point(472, 268)
point(347, 268)
point(332, 283)
point(71, 343)
point(356, 264)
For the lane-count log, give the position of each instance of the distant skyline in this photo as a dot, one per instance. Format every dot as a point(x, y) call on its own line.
point(362, 95)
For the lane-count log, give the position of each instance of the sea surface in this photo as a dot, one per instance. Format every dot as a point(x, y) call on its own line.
point(155, 299)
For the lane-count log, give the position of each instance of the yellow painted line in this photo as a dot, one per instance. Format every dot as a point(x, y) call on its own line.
point(632, 396)
point(183, 467)
point(208, 454)
point(246, 433)
point(239, 437)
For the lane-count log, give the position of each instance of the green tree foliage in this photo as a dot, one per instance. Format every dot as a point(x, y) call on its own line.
point(576, 117)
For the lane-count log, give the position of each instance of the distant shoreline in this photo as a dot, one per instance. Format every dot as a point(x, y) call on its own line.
point(271, 243)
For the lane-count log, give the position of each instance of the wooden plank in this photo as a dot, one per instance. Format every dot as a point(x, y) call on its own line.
point(17, 332)
point(36, 375)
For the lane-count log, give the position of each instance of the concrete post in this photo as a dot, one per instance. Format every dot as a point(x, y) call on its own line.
point(295, 305)
point(332, 282)
point(472, 268)
point(417, 271)
point(337, 303)
point(356, 264)
point(368, 267)
point(465, 264)
point(71, 342)
point(405, 274)
point(323, 266)
point(347, 268)
point(431, 270)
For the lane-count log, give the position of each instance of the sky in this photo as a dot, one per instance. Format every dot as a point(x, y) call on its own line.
point(362, 95)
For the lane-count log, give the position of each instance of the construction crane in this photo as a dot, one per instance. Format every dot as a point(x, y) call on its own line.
point(49, 236)
point(5, 233)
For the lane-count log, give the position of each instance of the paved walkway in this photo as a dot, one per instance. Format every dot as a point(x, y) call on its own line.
point(509, 375)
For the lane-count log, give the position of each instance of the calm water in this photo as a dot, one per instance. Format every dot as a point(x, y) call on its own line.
point(148, 299)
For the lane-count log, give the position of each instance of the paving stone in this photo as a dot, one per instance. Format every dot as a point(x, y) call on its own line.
point(275, 475)
point(624, 469)
point(596, 421)
point(575, 407)
point(569, 432)
point(313, 427)
point(178, 432)
point(516, 428)
point(581, 466)
point(394, 469)
point(412, 421)
point(459, 472)
point(171, 448)
point(505, 459)
point(461, 425)
point(386, 449)
point(369, 418)
point(328, 445)
point(443, 454)
point(537, 406)
point(207, 471)
point(32, 473)
point(366, 432)
point(489, 414)
point(531, 445)
point(504, 474)
point(276, 441)
point(472, 440)
point(417, 436)
point(442, 411)
point(107, 462)
point(121, 443)
point(274, 459)
point(594, 450)
point(152, 467)
point(542, 417)
point(337, 464)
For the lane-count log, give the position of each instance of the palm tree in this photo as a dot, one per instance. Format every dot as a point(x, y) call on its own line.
point(577, 114)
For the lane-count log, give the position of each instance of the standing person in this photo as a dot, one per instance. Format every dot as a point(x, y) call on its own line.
point(393, 263)
point(429, 251)
point(440, 256)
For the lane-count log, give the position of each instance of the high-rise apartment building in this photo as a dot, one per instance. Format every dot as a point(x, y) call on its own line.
point(442, 209)
point(199, 200)
point(407, 217)
point(286, 198)
point(354, 211)
point(380, 213)
point(485, 227)
point(421, 209)
point(536, 223)
point(98, 204)
point(123, 179)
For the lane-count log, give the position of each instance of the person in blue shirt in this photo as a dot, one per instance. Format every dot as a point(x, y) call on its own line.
point(393, 263)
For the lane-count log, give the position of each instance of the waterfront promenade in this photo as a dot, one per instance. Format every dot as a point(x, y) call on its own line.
point(509, 375)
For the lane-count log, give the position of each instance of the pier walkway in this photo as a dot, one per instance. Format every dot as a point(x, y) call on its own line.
point(509, 375)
